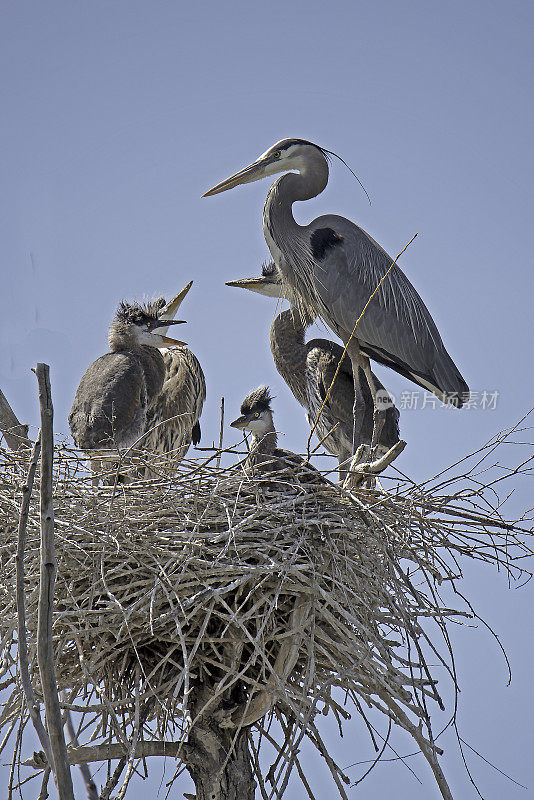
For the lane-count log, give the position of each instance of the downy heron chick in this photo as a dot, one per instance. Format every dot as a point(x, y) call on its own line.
point(265, 455)
point(172, 421)
point(332, 267)
point(110, 405)
point(308, 368)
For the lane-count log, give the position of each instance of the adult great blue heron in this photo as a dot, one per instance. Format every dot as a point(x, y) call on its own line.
point(332, 266)
point(308, 368)
point(111, 402)
point(172, 421)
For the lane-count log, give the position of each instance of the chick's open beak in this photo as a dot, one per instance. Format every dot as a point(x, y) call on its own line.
point(167, 339)
point(170, 309)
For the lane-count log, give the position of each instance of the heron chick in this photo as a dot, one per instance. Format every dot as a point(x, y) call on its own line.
point(265, 455)
point(111, 402)
point(173, 419)
point(321, 378)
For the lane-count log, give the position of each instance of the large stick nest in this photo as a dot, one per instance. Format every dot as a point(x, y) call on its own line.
point(282, 588)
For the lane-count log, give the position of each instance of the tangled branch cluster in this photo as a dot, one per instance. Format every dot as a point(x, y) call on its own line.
point(272, 591)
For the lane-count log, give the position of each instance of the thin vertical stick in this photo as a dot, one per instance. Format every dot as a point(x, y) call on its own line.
point(45, 652)
point(221, 432)
point(90, 785)
point(135, 737)
point(33, 706)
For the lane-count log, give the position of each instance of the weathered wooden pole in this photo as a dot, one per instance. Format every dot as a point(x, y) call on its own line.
point(45, 651)
point(218, 760)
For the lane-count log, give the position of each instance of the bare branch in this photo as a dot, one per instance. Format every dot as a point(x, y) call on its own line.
point(45, 652)
point(111, 752)
point(90, 785)
point(359, 470)
point(135, 739)
point(15, 434)
point(221, 433)
point(33, 706)
point(285, 661)
point(112, 780)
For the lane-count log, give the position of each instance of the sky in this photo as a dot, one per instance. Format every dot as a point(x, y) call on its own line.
point(117, 117)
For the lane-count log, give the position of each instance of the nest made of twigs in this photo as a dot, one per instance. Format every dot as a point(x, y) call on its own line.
point(284, 586)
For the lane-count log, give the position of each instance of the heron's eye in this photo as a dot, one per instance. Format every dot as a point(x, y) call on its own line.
point(276, 154)
point(256, 415)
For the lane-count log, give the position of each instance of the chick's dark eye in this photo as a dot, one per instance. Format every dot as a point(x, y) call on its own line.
point(276, 154)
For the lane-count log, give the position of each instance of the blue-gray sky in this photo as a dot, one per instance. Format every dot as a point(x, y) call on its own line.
point(117, 116)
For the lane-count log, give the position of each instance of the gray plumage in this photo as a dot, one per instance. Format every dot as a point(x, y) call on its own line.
point(173, 419)
point(180, 403)
point(308, 368)
point(331, 267)
point(111, 402)
point(265, 455)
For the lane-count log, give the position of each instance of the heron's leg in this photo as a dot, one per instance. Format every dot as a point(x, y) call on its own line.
point(358, 409)
point(358, 412)
point(379, 414)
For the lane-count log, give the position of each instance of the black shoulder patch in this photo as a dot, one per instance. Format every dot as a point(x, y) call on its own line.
point(322, 240)
point(195, 433)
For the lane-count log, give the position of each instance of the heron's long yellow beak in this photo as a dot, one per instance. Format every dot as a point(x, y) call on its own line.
point(169, 310)
point(247, 283)
point(268, 286)
point(168, 340)
point(248, 174)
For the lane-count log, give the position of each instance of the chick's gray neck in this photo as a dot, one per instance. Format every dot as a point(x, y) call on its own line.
point(121, 340)
point(264, 442)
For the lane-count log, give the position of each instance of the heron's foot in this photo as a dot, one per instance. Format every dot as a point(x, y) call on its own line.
point(361, 471)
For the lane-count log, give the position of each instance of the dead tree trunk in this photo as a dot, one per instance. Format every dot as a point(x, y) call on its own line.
point(218, 759)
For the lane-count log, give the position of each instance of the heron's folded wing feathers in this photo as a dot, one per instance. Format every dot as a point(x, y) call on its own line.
point(396, 322)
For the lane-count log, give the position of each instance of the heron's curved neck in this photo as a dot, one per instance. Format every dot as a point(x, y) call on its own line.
point(287, 240)
point(289, 351)
point(293, 187)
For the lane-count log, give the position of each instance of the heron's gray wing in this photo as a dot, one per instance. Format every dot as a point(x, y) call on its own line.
point(180, 402)
point(109, 407)
point(396, 329)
